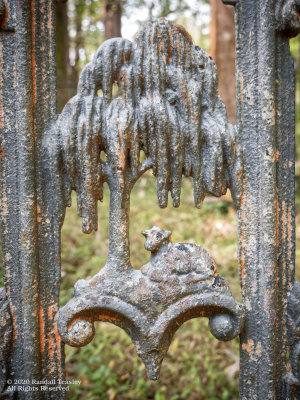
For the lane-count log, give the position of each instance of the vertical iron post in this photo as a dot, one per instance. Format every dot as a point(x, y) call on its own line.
point(31, 250)
point(265, 118)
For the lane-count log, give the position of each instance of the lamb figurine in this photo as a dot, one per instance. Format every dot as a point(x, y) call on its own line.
point(189, 262)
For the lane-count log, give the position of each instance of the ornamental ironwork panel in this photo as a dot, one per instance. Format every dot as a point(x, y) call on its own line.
point(167, 117)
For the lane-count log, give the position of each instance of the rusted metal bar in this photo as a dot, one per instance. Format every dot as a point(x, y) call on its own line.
point(265, 120)
point(28, 306)
point(31, 252)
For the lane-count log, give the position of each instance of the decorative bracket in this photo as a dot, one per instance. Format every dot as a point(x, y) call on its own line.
point(167, 117)
point(179, 282)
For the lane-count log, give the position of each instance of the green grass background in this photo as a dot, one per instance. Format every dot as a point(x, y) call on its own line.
point(197, 365)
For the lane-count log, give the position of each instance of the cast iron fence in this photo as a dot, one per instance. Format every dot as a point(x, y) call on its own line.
point(169, 110)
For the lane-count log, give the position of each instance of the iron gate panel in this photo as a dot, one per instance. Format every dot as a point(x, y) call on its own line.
point(168, 108)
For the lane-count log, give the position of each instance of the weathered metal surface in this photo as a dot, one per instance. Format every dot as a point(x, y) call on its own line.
point(292, 377)
point(169, 109)
point(179, 282)
point(7, 16)
point(265, 122)
point(30, 247)
point(6, 333)
point(167, 117)
point(287, 17)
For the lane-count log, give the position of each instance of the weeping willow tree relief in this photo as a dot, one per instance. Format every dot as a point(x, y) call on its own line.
point(167, 117)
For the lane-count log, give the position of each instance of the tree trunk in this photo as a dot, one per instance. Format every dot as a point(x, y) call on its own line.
point(222, 41)
point(112, 13)
point(119, 252)
point(78, 39)
point(64, 71)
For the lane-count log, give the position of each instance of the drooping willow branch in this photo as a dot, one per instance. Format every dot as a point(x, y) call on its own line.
point(167, 106)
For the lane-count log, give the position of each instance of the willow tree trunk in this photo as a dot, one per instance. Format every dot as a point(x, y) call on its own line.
point(119, 253)
point(112, 13)
point(222, 41)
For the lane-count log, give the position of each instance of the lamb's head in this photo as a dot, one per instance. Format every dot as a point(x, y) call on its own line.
point(155, 238)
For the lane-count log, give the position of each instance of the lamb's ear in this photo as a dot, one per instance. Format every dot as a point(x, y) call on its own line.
point(167, 235)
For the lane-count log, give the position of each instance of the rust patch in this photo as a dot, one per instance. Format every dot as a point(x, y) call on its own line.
point(38, 210)
point(160, 46)
point(88, 318)
point(185, 56)
point(249, 346)
point(107, 318)
point(170, 53)
point(42, 330)
point(181, 29)
point(53, 338)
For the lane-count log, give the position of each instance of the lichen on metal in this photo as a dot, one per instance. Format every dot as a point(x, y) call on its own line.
point(167, 117)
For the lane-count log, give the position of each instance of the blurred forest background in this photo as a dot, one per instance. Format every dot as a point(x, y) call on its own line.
point(197, 367)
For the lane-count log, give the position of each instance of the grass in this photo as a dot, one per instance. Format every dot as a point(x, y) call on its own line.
point(197, 365)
